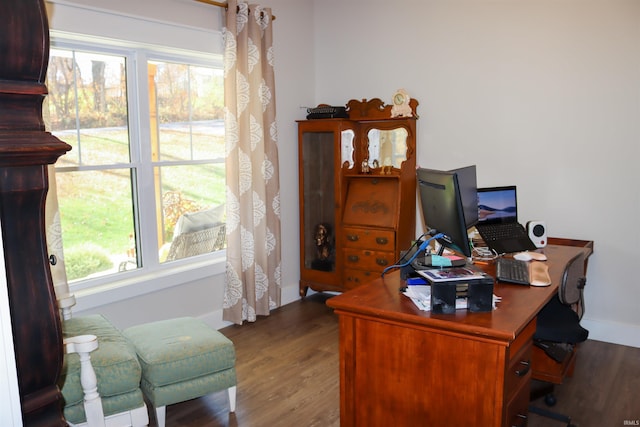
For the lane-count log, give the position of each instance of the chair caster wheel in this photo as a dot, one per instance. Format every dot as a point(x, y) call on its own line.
point(550, 400)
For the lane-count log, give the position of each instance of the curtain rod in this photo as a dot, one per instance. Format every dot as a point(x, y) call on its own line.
point(219, 4)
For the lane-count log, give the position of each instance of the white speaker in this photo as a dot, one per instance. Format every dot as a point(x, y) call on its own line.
point(537, 233)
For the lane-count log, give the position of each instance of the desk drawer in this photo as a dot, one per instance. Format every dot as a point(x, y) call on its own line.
point(547, 369)
point(369, 238)
point(518, 371)
point(523, 339)
point(368, 260)
point(517, 411)
point(519, 367)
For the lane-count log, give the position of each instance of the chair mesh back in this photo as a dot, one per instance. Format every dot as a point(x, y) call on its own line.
point(573, 281)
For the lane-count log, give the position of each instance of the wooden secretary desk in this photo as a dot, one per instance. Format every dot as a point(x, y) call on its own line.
point(357, 180)
point(405, 367)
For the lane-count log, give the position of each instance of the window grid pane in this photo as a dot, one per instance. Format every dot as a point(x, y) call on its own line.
point(88, 106)
point(97, 181)
point(97, 221)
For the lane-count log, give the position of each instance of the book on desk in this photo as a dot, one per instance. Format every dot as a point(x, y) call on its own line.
point(451, 274)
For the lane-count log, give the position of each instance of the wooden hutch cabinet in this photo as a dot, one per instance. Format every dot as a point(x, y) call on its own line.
point(25, 151)
point(357, 194)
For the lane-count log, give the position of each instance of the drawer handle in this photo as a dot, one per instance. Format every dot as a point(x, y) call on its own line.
point(522, 372)
point(353, 258)
point(382, 240)
point(523, 423)
point(381, 261)
point(352, 237)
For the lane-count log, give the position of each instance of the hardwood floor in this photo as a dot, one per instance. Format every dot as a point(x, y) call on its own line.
point(287, 367)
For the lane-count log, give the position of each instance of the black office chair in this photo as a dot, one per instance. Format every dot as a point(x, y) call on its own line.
point(558, 331)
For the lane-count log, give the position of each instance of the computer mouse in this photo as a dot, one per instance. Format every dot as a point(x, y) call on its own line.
point(528, 256)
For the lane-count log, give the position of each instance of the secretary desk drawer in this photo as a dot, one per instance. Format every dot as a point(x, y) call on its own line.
point(354, 278)
point(363, 259)
point(369, 238)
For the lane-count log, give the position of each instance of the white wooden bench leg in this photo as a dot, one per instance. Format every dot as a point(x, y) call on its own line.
point(232, 398)
point(83, 345)
point(161, 413)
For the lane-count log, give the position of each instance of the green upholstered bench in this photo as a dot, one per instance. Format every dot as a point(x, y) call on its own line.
point(182, 359)
point(117, 370)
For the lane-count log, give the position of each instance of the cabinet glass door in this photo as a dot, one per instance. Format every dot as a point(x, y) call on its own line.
point(319, 201)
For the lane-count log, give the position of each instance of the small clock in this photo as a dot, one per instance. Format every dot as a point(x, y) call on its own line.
point(401, 107)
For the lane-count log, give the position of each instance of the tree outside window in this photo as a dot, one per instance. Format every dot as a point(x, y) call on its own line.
point(179, 151)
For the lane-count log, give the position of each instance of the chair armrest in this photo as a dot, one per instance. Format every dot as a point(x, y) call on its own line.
point(83, 345)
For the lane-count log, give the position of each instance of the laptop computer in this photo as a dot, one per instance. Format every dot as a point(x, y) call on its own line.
point(498, 220)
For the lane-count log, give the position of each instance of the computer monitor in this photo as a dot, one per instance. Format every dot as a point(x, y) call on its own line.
point(443, 210)
point(468, 184)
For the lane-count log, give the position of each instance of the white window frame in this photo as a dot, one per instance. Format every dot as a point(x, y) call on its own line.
point(153, 275)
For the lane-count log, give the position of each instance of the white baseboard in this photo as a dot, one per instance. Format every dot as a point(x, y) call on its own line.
point(288, 295)
point(612, 332)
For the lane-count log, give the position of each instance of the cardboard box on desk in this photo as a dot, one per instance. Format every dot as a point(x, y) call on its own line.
point(479, 294)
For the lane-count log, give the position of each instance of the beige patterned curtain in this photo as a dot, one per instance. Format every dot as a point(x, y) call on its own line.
point(252, 284)
point(54, 229)
point(54, 237)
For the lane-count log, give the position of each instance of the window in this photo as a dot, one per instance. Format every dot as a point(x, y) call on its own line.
point(144, 183)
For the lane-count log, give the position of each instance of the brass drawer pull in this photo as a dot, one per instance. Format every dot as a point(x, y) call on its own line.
point(382, 240)
point(522, 372)
point(381, 261)
point(352, 237)
point(353, 258)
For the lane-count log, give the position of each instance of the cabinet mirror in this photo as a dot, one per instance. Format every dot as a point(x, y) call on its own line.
point(387, 147)
point(347, 149)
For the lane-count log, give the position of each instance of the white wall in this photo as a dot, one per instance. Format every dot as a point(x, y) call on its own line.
point(544, 94)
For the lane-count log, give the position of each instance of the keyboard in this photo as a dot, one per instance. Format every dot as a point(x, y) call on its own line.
point(512, 271)
point(502, 231)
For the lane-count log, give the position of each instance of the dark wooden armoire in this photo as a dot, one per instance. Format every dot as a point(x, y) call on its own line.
point(25, 151)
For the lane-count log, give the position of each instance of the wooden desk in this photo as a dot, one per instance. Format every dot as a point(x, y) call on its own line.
point(405, 367)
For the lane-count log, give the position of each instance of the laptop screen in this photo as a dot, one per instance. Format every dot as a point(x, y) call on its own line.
point(497, 205)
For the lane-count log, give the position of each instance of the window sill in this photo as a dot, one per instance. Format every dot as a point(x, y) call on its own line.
point(141, 282)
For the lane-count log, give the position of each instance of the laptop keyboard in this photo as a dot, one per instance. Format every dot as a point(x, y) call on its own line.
point(502, 231)
point(513, 271)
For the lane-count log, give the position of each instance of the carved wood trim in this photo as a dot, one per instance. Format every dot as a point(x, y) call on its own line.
point(375, 109)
